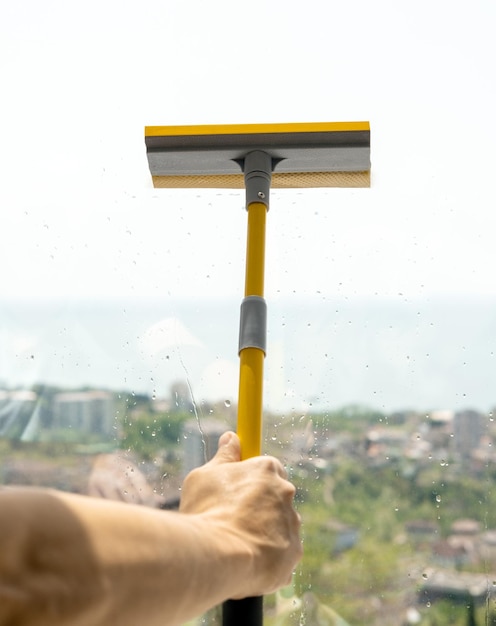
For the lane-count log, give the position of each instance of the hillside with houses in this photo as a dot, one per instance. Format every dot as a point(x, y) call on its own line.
point(399, 511)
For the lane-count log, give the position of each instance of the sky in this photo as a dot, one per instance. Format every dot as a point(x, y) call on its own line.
point(81, 222)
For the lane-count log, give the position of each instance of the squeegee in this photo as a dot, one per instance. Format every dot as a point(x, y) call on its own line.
point(257, 157)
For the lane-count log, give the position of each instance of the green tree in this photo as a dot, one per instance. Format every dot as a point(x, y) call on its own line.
point(148, 433)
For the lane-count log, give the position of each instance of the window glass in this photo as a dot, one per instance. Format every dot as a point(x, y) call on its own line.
point(119, 305)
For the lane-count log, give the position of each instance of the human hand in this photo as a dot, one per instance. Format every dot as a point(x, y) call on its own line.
point(248, 507)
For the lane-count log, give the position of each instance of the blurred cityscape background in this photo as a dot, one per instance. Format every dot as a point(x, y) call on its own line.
point(399, 507)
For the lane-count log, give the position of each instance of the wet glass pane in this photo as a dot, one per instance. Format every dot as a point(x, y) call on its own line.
point(119, 304)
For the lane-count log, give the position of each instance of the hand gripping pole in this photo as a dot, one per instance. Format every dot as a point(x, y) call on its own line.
point(257, 168)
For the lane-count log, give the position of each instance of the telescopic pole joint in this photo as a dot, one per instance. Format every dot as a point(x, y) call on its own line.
point(253, 324)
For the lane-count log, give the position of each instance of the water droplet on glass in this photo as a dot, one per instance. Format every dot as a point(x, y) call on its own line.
point(438, 498)
point(227, 403)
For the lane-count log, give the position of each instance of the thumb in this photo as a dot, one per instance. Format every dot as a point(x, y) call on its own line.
point(229, 449)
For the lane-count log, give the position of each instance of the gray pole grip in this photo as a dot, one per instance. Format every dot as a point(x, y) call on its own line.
point(253, 324)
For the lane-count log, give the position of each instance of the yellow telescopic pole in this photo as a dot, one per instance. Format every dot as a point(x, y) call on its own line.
point(257, 169)
point(250, 399)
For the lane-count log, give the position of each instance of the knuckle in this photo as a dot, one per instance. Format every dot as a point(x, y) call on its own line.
point(290, 488)
point(288, 492)
point(271, 462)
point(273, 465)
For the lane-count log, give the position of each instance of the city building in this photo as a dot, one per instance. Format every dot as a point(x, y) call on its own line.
point(18, 413)
point(468, 428)
point(88, 412)
point(200, 441)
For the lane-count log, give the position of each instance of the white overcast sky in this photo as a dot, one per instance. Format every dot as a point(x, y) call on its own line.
point(80, 80)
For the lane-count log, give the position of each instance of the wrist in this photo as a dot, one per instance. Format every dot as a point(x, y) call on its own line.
point(232, 557)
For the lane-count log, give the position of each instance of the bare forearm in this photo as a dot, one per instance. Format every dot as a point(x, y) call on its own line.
point(70, 559)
